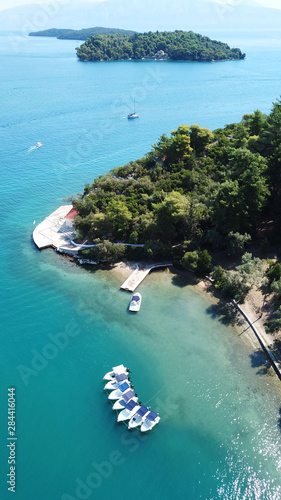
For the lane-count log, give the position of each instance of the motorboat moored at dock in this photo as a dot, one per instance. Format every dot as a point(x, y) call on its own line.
point(130, 409)
point(150, 421)
point(126, 397)
point(135, 302)
point(116, 370)
point(118, 380)
point(117, 393)
point(139, 417)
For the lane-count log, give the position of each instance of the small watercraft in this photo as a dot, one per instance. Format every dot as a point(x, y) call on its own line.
point(116, 382)
point(139, 417)
point(38, 145)
point(130, 409)
point(116, 370)
point(121, 402)
point(134, 114)
point(150, 421)
point(117, 393)
point(135, 302)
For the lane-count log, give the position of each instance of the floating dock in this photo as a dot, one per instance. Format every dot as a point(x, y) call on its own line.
point(138, 275)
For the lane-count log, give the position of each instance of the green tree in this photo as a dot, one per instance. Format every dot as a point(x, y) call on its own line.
point(274, 272)
point(118, 218)
point(200, 138)
point(274, 324)
point(276, 288)
point(170, 215)
point(204, 263)
point(237, 242)
point(255, 122)
point(218, 276)
point(190, 260)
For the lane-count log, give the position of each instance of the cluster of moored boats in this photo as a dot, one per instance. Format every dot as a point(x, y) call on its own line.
point(126, 400)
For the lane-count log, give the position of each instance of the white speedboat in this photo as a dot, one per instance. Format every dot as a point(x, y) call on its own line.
point(114, 384)
point(116, 370)
point(150, 421)
point(117, 393)
point(135, 302)
point(139, 417)
point(126, 397)
point(130, 409)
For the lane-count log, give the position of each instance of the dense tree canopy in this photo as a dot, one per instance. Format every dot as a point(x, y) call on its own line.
point(194, 190)
point(68, 34)
point(177, 45)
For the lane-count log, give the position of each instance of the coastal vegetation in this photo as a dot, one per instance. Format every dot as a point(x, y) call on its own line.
point(177, 45)
point(69, 34)
point(195, 194)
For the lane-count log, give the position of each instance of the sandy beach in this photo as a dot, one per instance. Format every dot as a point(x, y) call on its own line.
point(256, 308)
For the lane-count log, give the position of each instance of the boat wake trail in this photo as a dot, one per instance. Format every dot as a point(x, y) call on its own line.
point(38, 145)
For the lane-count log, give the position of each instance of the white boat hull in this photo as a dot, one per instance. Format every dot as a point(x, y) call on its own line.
point(126, 415)
point(112, 384)
point(147, 425)
point(137, 420)
point(117, 370)
point(135, 304)
point(120, 403)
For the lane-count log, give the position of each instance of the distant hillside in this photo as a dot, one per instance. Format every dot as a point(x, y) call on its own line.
point(69, 34)
point(177, 45)
point(53, 32)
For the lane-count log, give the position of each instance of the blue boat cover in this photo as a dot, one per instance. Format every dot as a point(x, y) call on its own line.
point(135, 297)
point(131, 405)
point(120, 377)
point(152, 416)
point(124, 387)
point(142, 411)
point(128, 395)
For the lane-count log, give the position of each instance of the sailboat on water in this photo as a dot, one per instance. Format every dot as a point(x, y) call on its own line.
point(134, 114)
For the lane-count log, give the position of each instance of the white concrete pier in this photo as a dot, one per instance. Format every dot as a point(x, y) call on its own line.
point(138, 275)
point(56, 231)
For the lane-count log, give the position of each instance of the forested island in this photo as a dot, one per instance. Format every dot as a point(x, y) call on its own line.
point(197, 192)
point(177, 45)
point(69, 34)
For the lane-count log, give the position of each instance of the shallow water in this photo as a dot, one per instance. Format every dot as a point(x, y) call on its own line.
point(63, 327)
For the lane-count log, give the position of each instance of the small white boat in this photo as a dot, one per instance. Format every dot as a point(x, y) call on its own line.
point(130, 409)
point(117, 393)
point(116, 370)
point(133, 115)
point(121, 403)
point(150, 421)
point(135, 302)
point(139, 417)
point(38, 145)
point(115, 383)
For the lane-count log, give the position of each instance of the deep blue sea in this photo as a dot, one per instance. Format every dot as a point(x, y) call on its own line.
point(62, 327)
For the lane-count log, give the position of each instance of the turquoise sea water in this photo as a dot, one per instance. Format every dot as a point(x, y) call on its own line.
point(63, 327)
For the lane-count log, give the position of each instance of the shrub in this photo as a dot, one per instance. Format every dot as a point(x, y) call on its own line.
point(204, 263)
point(274, 273)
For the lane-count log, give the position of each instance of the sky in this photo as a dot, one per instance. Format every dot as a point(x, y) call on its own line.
point(7, 4)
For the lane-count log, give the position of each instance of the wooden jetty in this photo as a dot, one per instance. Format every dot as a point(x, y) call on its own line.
point(138, 275)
